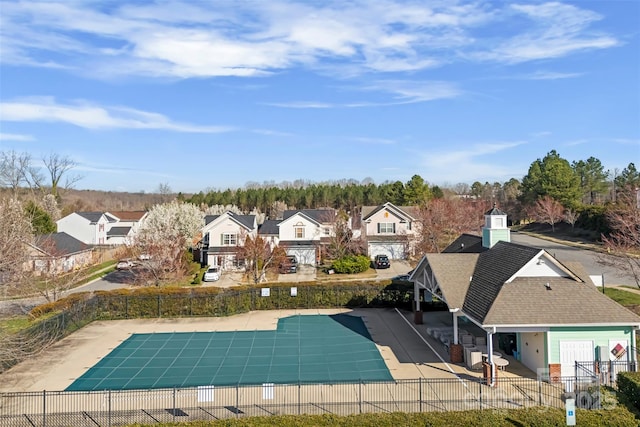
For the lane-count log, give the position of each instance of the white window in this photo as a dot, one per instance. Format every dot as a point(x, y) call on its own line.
point(386, 227)
point(299, 232)
point(327, 231)
point(229, 239)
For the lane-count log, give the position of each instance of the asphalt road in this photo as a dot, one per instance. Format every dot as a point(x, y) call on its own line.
point(590, 260)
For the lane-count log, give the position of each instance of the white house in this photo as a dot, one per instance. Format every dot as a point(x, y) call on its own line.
point(88, 227)
point(389, 230)
point(222, 235)
point(125, 229)
point(302, 233)
point(549, 312)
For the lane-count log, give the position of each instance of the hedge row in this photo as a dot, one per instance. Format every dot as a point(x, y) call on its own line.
point(531, 417)
point(629, 386)
point(185, 302)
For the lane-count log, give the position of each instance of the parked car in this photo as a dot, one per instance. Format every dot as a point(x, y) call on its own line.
point(289, 265)
point(212, 274)
point(381, 261)
point(124, 264)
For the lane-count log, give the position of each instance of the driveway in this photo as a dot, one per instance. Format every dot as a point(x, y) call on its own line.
point(396, 268)
point(590, 260)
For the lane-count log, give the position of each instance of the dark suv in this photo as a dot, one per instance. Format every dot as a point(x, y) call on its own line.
point(381, 261)
point(289, 265)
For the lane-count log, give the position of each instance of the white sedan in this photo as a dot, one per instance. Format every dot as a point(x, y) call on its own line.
point(212, 274)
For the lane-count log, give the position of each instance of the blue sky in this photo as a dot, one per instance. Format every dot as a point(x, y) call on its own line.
point(215, 94)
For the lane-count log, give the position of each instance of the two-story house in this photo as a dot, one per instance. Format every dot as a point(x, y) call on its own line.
point(304, 233)
point(389, 230)
point(125, 229)
point(222, 235)
point(89, 227)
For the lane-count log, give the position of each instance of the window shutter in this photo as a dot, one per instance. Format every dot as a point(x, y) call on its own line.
point(394, 228)
point(221, 239)
point(378, 227)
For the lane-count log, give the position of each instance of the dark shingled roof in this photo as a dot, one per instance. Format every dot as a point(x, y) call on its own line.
point(318, 215)
point(244, 220)
point(118, 231)
point(399, 211)
point(59, 244)
point(493, 269)
point(93, 217)
point(495, 211)
point(466, 244)
point(269, 226)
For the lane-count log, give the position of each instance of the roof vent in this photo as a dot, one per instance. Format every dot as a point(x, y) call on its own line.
point(548, 286)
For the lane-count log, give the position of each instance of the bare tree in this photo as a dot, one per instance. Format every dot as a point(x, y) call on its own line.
point(259, 257)
point(548, 211)
point(442, 220)
point(341, 241)
point(58, 167)
point(16, 171)
point(571, 216)
point(624, 241)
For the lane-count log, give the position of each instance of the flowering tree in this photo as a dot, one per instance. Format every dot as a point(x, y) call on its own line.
point(15, 232)
point(167, 232)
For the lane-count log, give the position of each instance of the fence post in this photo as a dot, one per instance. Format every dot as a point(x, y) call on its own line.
point(360, 396)
point(237, 401)
point(126, 307)
point(109, 408)
point(539, 391)
point(480, 393)
point(299, 402)
point(44, 408)
point(420, 392)
point(174, 404)
point(159, 306)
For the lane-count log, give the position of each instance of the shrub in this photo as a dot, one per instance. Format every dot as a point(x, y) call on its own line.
point(629, 386)
point(351, 264)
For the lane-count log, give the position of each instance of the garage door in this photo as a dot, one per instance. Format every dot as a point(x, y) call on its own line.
point(392, 250)
point(572, 352)
point(303, 255)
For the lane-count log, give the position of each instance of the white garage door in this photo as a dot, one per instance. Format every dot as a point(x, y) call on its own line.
point(572, 352)
point(392, 250)
point(303, 255)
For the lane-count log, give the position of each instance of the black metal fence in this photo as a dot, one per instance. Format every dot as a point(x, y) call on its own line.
point(607, 371)
point(117, 408)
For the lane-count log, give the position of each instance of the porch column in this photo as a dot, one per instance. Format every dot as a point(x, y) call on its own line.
point(417, 314)
point(455, 327)
point(456, 352)
point(633, 350)
point(489, 367)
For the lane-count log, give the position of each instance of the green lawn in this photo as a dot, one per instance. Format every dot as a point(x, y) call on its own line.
point(623, 297)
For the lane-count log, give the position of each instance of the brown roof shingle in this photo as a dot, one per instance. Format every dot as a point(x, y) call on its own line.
point(528, 301)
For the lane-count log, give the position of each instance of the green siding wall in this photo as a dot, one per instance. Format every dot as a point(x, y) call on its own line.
point(493, 236)
point(600, 337)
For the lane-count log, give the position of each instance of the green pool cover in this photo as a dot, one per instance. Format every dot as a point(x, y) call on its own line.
point(316, 348)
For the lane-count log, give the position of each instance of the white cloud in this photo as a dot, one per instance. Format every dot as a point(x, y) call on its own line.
point(375, 141)
point(551, 30)
point(91, 116)
point(401, 92)
point(186, 39)
point(15, 137)
point(470, 164)
point(551, 75)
